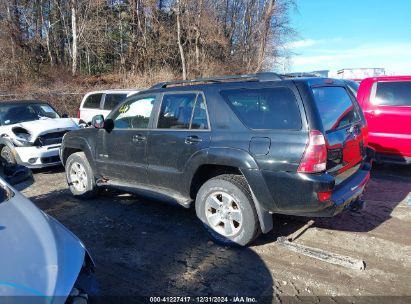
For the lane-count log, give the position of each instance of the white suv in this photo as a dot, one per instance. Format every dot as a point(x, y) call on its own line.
point(101, 103)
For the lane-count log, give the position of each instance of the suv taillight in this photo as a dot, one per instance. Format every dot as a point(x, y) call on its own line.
point(315, 155)
point(78, 113)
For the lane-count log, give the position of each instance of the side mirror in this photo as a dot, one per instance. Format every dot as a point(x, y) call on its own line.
point(98, 121)
point(109, 125)
point(64, 115)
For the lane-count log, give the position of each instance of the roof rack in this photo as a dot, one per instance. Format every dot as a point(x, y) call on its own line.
point(298, 75)
point(262, 76)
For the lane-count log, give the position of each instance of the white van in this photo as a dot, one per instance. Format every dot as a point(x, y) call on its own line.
point(101, 102)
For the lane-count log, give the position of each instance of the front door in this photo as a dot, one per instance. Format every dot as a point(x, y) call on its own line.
point(389, 115)
point(182, 130)
point(121, 153)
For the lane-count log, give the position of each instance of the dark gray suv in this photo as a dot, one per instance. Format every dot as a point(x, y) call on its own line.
point(238, 147)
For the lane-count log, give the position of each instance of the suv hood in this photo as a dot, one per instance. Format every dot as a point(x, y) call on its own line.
point(39, 127)
point(40, 257)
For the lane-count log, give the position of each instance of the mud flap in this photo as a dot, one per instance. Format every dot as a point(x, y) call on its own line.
point(264, 217)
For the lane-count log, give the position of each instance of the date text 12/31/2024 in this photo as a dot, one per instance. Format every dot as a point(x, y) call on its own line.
point(207, 299)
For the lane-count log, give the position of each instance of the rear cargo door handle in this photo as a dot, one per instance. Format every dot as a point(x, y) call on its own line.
point(193, 139)
point(351, 130)
point(354, 130)
point(138, 138)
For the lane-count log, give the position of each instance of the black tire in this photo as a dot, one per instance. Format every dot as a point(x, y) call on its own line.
point(236, 187)
point(8, 154)
point(78, 161)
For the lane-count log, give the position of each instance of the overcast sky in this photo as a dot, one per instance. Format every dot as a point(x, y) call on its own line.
point(336, 34)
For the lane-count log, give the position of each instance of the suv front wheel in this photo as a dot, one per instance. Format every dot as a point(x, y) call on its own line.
point(80, 177)
point(225, 205)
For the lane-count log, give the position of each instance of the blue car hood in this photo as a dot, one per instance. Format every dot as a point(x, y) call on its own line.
point(39, 256)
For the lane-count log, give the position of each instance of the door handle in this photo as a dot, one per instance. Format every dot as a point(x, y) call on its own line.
point(193, 139)
point(374, 113)
point(138, 138)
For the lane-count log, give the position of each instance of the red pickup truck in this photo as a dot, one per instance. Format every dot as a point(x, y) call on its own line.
point(386, 103)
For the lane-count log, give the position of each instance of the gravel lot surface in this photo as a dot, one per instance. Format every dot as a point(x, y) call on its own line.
point(148, 248)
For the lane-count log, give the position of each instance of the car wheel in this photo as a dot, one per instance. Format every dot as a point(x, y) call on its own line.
point(225, 206)
point(8, 155)
point(80, 177)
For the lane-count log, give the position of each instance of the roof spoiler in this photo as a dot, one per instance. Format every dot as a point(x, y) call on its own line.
point(261, 77)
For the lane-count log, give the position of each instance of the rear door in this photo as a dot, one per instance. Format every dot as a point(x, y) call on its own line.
point(182, 129)
point(388, 113)
point(344, 128)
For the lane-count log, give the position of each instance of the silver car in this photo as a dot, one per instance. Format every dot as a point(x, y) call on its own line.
point(41, 260)
point(31, 133)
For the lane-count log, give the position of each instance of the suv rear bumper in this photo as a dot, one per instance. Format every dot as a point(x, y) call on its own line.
point(296, 193)
point(348, 192)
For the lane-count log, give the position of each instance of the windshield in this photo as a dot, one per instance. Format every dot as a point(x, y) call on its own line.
point(17, 113)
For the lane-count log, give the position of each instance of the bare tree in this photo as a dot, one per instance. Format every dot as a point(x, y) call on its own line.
point(197, 29)
point(268, 14)
point(180, 45)
point(141, 38)
point(47, 26)
point(74, 36)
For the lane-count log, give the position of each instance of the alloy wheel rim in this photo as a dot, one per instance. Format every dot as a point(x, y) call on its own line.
point(223, 213)
point(78, 176)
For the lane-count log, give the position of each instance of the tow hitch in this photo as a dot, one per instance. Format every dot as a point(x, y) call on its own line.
point(357, 205)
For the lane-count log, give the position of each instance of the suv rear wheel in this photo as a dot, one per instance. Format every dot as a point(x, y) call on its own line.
point(80, 177)
point(225, 206)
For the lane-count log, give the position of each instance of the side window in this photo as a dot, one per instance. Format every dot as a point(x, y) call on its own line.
point(112, 100)
point(93, 101)
point(176, 111)
point(199, 121)
point(391, 93)
point(265, 108)
point(134, 113)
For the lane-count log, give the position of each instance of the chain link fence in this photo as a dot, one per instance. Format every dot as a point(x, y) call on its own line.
point(64, 103)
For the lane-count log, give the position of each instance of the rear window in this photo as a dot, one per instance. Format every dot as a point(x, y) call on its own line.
point(93, 101)
point(112, 100)
point(393, 93)
point(268, 108)
point(335, 107)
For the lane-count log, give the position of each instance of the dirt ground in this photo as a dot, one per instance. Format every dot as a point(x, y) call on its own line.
point(148, 248)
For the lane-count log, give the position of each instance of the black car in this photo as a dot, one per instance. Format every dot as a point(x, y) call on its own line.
point(239, 147)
